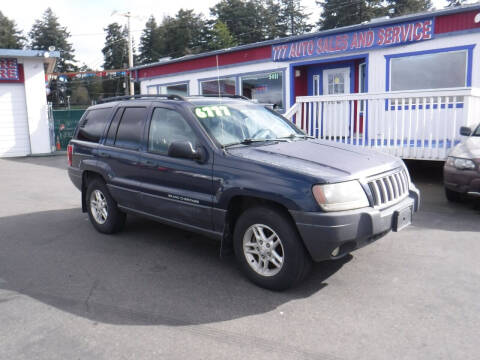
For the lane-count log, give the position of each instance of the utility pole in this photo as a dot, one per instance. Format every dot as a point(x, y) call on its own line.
point(130, 55)
point(128, 15)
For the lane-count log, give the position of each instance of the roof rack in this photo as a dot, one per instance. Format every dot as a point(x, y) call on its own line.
point(141, 96)
point(225, 95)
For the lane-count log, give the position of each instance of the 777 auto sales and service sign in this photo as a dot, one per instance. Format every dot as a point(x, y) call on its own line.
point(379, 37)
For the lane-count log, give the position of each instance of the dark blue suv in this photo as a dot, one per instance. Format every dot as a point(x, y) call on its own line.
point(236, 171)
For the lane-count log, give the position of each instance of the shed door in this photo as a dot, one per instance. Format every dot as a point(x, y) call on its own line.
point(14, 135)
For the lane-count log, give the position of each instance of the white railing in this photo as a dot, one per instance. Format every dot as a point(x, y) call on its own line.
point(409, 124)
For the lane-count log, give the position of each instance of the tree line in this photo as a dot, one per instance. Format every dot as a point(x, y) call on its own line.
point(231, 23)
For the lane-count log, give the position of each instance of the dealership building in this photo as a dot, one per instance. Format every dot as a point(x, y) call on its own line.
point(438, 49)
point(24, 122)
point(418, 53)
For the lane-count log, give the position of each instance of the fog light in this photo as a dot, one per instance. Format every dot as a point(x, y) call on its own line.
point(336, 251)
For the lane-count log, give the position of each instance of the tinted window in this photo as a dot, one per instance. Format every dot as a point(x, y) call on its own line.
point(130, 129)
point(166, 127)
point(93, 124)
point(112, 130)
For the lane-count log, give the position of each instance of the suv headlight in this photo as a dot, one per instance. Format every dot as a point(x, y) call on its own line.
point(460, 163)
point(346, 195)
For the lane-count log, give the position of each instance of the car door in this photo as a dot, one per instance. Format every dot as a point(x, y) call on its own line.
point(120, 154)
point(175, 189)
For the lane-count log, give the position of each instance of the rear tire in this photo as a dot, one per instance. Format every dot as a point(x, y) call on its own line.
point(102, 208)
point(269, 250)
point(453, 196)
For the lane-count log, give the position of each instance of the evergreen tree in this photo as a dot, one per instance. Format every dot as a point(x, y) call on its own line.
point(294, 18)
point(150, 43)
point(115, 55)
point(338, 13)
point(184, 34)
point(48, 32)
point(115, 51)
point(405, 7)
point(274, 26)
point(220, 37)
point(10, 37)
point(244, 19)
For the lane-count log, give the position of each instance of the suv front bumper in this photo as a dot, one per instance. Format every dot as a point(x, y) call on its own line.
point(322, 232)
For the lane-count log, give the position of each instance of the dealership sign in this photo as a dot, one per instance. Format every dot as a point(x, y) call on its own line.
point(379, 37)
point(8, 69)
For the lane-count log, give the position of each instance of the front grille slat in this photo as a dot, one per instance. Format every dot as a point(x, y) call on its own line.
point(391, 178)
point(376, 193)
point(384, 191)
point(389, 189)
point(391, 196)
point(399, 183)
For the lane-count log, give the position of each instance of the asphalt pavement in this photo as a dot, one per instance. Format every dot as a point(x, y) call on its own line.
point(156, 292)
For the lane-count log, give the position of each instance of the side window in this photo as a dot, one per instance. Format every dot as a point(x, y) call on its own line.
point(93, 124)
point(130, 128)
point(166, 127)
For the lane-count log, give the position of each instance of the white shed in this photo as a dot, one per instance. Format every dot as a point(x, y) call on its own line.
point(24, 122)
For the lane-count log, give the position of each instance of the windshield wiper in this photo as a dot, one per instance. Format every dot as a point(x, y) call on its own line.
point(249, 141)
point(298, 136)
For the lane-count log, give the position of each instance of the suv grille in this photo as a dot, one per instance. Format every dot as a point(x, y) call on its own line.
point(389, 189)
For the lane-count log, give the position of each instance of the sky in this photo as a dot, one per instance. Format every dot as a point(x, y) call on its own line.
point(86, 19)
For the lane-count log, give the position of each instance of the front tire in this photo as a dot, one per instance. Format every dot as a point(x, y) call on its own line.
point(102, 208)
point(269, 250)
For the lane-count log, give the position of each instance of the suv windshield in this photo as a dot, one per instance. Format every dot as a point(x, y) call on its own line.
point(232, 124)
point(477, 132)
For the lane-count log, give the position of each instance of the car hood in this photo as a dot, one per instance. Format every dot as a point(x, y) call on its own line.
point(326, 160)
point(468, 149)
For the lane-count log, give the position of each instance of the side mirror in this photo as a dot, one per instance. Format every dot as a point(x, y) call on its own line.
point(465, 131)
point(185, 150)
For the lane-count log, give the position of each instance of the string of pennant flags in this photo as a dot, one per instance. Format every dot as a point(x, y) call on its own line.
point(88, 74)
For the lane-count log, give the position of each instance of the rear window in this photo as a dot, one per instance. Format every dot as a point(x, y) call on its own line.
point(130, 128)
point(93, 124)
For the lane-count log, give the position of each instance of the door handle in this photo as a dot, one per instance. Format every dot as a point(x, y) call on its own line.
point(104, 154)
point(149, 163)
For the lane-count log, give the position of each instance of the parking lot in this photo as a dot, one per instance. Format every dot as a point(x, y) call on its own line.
point(68, 292)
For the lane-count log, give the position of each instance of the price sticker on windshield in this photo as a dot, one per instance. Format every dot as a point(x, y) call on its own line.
point(211, 111)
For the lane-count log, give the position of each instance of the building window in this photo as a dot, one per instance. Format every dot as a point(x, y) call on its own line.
point(176, 89)
point(429, 71)
point(217, 87)
point(172, 89)
point(266, 88)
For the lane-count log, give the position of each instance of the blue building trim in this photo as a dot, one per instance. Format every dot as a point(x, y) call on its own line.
point(320, 62)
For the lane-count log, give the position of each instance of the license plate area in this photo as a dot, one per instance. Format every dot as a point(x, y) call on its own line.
point(402, 218)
